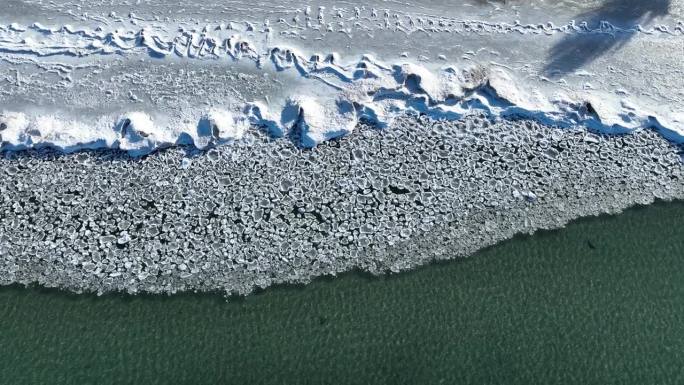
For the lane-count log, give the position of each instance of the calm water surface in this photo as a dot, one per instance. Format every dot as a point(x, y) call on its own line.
point(600, 302)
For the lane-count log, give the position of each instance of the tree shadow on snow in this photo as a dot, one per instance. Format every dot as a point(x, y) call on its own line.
point(576, 50)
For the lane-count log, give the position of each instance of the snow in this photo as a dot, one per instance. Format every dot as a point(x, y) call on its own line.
point(159, 92)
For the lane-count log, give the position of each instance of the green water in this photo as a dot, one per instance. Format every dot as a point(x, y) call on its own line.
point(600, 302)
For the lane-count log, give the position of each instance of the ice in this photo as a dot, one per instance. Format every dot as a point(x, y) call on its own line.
point(139, 134)
point(302, 139)
point(260, 212)
point(13, 126)
point(359, 67)
point(220, 124)
point(319, 122)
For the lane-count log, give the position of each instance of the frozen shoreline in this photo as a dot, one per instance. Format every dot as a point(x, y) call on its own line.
point(338, 94)
point(138, 82)
point(162, 147)
point(262, 212)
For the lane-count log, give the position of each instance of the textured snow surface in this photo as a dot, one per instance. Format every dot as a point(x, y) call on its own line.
point(147, 75)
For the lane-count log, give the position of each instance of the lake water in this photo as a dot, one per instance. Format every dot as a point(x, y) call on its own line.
point(599, 302)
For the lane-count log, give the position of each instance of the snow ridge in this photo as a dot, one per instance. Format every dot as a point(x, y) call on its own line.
point(366, 89)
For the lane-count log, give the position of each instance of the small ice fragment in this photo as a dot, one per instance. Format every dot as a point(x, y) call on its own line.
point(185, 163)
point(16, 27)
point(530, 196)
point(591, 138)
point(123, 238)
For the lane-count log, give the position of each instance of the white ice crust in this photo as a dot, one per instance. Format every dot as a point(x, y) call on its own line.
point(340, 92)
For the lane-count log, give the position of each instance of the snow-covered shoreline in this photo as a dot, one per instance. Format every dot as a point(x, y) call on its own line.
point(317, 95)
point(374, 93)
point(455, 124)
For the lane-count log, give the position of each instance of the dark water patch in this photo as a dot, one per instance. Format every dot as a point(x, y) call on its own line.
point(536, 309)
